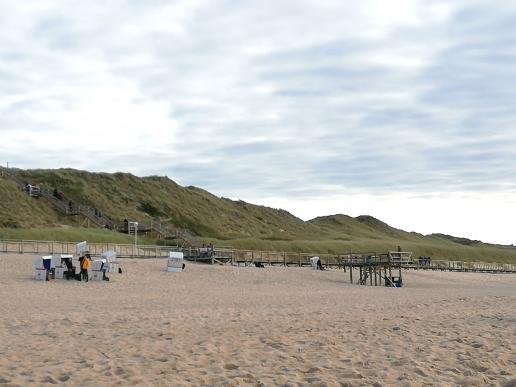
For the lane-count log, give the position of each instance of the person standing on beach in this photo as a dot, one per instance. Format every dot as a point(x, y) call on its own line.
point(85, 265)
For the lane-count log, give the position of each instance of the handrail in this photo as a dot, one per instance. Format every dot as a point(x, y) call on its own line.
point(66, 206)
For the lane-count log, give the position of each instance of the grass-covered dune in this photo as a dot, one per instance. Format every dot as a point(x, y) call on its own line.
point(211, 218)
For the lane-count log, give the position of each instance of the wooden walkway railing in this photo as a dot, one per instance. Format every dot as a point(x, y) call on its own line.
point(55, 247)
point(66, 206)
point(245, 257)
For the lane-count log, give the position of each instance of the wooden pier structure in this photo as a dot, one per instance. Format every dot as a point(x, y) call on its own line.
point(377, 269)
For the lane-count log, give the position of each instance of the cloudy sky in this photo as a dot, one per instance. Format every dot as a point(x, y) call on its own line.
point(404, 110)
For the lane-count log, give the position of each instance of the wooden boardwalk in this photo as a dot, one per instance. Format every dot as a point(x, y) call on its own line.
point(229, 255)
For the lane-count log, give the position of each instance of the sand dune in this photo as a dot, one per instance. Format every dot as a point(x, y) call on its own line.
point(222, 325)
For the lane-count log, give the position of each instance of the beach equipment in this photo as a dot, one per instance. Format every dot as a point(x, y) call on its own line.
point(175, 262)
point(110, 263)
point(58, 265)
point(82, 248)
point(62, 266)
point(40, 273)
point(313, 262)
point(96, 271)
point(106, 264)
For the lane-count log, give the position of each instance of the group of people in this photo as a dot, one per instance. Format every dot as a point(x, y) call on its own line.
point(85, 262)
point(424, 260)
point(69, 273)
point(206, 250)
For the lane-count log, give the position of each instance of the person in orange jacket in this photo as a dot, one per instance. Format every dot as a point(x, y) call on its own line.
point(85, 265)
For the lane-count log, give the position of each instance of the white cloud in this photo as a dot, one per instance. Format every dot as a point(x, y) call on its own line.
point(248, 99)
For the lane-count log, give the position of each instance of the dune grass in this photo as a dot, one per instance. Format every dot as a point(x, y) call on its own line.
point(221, 221)
point(442, 250)
point(69, 234)
point(435, 250)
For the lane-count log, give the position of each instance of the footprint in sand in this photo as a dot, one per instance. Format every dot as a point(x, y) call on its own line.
point(48, 379)
point(63, 378)
point(119, 371)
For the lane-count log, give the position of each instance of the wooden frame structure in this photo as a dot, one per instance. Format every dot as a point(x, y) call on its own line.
point(373, 268)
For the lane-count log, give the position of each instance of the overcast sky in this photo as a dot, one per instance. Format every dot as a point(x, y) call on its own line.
point(401, 109)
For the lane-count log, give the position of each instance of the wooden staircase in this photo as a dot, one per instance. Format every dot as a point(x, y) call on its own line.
point(93, 215)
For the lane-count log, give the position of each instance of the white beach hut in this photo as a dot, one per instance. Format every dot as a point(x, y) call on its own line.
point(175, 261)
point(40, 273)
point(313, 262)
point(109, 259)
point(82, 247)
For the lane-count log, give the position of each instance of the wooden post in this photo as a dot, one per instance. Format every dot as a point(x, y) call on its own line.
point(370, 276)
point(350, 275)
point(384, 275)
point(375, 277)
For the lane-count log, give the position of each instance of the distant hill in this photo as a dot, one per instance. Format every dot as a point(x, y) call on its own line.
point(461, 241)
point(223, 221)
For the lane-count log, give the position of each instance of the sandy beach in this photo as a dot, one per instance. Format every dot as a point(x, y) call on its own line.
point(223, 325)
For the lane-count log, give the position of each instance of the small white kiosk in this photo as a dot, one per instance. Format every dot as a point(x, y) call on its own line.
point(175, 261)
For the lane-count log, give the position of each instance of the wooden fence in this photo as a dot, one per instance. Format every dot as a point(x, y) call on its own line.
point(235, 256)
point(54, 247)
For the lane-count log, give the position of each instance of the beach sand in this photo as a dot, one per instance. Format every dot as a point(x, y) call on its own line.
point(223, 325)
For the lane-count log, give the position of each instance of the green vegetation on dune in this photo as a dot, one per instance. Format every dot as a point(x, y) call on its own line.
point(124, 196)
point(17, 209)
point(324, 246)
point(69, 234)
point(221, 221)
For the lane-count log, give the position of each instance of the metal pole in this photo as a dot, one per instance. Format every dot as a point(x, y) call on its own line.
point(136, 235)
